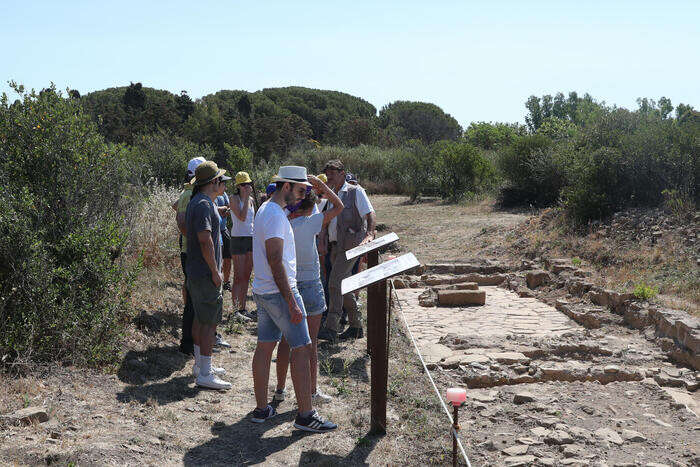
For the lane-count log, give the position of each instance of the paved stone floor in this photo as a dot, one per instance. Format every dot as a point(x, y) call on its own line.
point(504, 314)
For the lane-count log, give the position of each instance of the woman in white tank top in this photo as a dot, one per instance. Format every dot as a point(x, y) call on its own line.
point(242, 240)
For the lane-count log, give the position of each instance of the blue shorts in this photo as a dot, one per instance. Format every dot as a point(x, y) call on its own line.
point(274, 320)
point(312, 294)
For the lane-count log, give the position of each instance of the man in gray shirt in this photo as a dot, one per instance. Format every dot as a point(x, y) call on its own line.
point(204, 270)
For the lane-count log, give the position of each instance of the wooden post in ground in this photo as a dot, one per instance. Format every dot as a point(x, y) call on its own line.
point(374, 278)
point(377, 347)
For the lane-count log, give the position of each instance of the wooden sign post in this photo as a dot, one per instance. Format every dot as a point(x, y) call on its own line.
point(374, 278)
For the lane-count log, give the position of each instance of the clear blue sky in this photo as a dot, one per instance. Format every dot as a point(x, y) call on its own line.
point(476, 60)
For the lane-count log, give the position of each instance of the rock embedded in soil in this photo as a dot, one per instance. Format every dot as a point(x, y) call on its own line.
point(26, 416)
point(508, 358)
point(558, 437)
point(536, 278)
point(633, 436)
point(610, 435)
point(523, 397)
point(517, 450)
point(517, 461)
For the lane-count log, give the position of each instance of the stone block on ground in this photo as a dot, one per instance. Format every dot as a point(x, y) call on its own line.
point(633, 436)
point(536, 278)
point(427, 298)
point(608, 434)
point(508, 357)
point(522, 397)
point(26, 416)
point(461, 297)
point(517, 461)
point(463, 286)
point(683, 399)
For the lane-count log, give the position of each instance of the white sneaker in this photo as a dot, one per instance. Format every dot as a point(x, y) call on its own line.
point(212, 381)
point(217, 370)
point(279, 395)
point(220, 342)
point(320, 397)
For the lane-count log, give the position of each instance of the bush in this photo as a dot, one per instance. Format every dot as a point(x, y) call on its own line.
point(645, 292)
point(460, 169)
point(533, 171)
point(64, 283)
point(627, 159)
point(492, 135)
point(162, 157)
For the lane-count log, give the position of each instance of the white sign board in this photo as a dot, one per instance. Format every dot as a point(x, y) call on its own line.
point(373, 245)
point(379, 272)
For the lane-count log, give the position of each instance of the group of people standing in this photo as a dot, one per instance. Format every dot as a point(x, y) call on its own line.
point(295, 245)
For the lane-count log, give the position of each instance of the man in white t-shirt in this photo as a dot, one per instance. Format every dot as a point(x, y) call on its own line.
point(353, 227)
point(280, 307)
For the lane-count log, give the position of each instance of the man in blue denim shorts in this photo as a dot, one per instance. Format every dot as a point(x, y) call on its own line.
point(280, 307)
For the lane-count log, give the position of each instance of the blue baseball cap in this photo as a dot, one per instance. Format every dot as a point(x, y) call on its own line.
point(270, 189)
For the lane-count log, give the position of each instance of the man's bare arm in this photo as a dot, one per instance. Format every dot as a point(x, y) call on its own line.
point(371, 225)
point(273, 249)
point(181, 224)
point(207, 246)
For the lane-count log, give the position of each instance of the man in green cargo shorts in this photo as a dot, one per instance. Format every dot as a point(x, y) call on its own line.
point(203, 267)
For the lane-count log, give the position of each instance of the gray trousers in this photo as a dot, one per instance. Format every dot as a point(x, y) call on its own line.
point(341, 268)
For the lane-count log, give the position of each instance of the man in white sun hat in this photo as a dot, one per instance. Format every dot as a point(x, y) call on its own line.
point(280, 307)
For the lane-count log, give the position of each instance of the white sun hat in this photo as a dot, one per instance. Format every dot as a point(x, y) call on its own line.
point(193, 164)
point(292, 174)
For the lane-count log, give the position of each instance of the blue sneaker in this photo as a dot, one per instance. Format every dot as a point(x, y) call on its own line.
point(314, 423)
point(260, 415)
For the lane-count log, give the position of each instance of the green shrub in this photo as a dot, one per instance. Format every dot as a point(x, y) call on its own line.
point(678, 204)
point(533, 170)
point(645, 292)
point(64, 281)
point(162, 157)
point(628, 159)
point(576, 261)
point(460, 168)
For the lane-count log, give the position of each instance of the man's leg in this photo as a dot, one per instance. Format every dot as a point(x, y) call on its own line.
point(300, 363)
point(261, 372)
point(187, 340)
point(314, 323)
point(282, 364)
point(341, 268)
point(227, 269)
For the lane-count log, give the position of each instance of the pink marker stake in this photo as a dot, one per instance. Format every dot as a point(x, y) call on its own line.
point(457, 397)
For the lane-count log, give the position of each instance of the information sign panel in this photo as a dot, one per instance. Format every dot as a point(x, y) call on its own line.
point(373, 245)
point(379, 272)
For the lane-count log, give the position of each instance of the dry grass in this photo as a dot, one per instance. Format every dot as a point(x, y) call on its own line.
point(154, 233)
point(436, 231)
point(620, 265)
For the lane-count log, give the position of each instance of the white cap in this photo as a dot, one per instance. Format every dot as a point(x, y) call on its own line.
point(193, 164)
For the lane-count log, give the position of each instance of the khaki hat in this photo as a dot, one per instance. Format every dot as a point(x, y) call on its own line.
point(292, 174)
point(243, 177)
point(206, 172)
